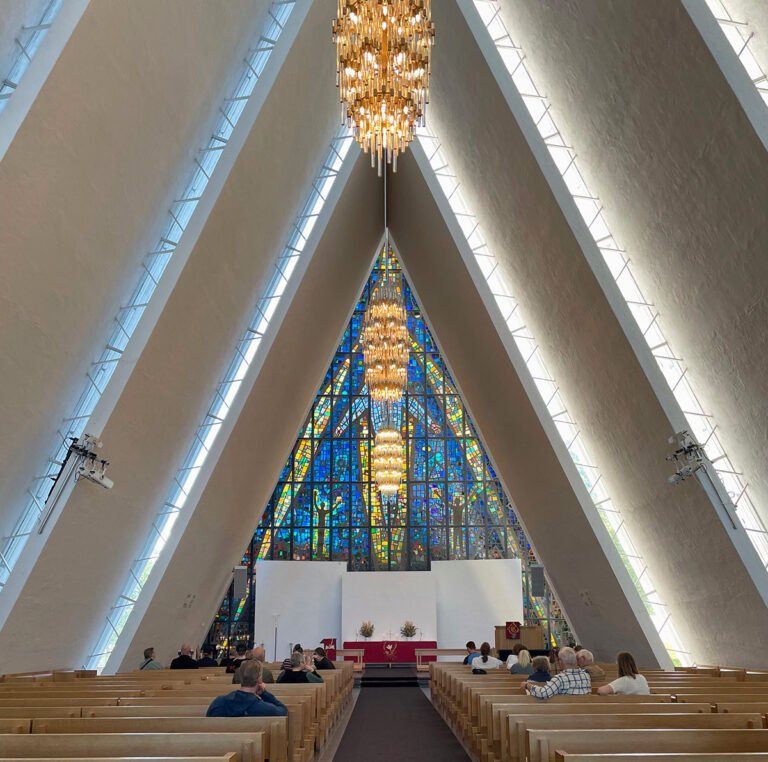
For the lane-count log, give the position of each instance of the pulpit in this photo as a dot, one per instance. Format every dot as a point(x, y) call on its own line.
point(530, 635)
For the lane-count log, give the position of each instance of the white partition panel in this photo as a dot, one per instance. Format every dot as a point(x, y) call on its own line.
point(455, 602)
point(307, 598)
point(474, 596)
point(387, 599)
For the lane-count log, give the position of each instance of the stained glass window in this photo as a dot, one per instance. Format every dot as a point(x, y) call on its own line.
point(450, 506)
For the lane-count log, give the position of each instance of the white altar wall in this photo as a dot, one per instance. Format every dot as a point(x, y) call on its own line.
point(474, 596)
point(457, 601)
point(306, 595)
point(388, 599)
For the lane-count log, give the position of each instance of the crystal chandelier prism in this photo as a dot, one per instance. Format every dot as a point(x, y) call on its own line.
point(385, 340)
point(383, 58)
point(388, 460)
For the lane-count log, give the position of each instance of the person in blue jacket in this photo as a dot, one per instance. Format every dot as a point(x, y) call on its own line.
point(252, 700)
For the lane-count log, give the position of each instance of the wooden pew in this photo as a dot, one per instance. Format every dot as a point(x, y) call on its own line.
point(249, 747)
point(274, 728)
point(520, 725)
point(8, 712)
point(543, 743)
point(499, 727)
point(231, 757)
point(300, 739)
point(562, 756)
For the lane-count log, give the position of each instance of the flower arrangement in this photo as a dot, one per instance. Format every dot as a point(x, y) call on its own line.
point(366, 629)
point(408, 629)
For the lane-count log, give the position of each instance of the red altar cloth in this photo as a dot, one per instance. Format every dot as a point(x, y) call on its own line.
point(404, 650)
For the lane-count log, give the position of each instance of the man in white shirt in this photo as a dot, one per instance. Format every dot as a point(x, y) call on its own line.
point(570, 680)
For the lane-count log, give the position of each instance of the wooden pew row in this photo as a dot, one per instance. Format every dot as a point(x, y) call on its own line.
point(543, 744)
point(498, 731)
point(300, 742)
point(519, 726)
point(248, 747)
point(274, 729)
point(338, 685)
point(231, 757)
point(562, 756)
point(467, 702)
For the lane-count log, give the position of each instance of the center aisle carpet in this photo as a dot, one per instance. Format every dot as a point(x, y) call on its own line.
point(397, 724)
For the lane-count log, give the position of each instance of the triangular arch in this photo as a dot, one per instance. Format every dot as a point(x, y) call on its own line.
point(326, 507)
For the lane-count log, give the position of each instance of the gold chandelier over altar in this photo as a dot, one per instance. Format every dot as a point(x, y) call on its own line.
point(388, 460)
point(385, 341)
point(383, 56)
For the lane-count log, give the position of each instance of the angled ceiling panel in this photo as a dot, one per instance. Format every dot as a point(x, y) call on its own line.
point(584, 347)
point(681, 173)
point(169, 390)
point(95, 161)
point(555, 523)
point(239, 488)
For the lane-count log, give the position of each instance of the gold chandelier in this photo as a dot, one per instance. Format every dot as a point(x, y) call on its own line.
point(383, 57)
point(388, 460)
point(385, 340)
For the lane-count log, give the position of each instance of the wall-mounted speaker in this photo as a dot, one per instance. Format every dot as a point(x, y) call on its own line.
point(537, 581)
point(240, 580)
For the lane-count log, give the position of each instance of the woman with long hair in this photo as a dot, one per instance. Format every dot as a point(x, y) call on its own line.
point(630, 682)
point(523, 665)
point(485, 661)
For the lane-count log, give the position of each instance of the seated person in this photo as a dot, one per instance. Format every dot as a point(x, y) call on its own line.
point(236, 677)
point(260, 655)
point(149, 660)
point(485, 661)
point(184, 660)
point(586, 661)
point(512, 658)
point(287, 662)
point(523, 665)
point(299, 672)
point(570, 680)
point(630, 682)
point(233, 664)
point(250, 700)
point(321, 660)
point(540, 672)
point(472, 652)
point(207, 660)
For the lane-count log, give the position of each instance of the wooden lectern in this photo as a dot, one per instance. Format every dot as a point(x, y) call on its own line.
point(531, 636)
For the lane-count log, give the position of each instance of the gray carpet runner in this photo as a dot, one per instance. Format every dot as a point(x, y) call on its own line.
point(397, 724)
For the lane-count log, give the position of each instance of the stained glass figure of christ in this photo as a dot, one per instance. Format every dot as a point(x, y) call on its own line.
point(450, 505)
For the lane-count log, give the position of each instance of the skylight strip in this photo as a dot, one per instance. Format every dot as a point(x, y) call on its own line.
point(27, 42)
point(155, 264)
point(529, 349)
point(740, 38)
point(700, 423)
point(245, 353)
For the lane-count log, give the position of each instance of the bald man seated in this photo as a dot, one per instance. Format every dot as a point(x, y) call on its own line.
point(184, 660)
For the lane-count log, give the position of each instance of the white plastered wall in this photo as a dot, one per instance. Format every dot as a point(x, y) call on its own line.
point(83, 187)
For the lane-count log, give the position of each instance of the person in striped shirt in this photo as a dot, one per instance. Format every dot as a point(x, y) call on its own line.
point(570, 680)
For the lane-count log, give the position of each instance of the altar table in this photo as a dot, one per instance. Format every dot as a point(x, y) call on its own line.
point(396, 651)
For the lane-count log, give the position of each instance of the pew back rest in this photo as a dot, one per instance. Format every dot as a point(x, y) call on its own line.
point(519, 725)
point(275, 729)
point(543, 743)
point(249, 746)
